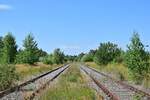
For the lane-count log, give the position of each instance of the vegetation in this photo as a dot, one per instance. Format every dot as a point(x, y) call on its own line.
point(137, 60)
point(26, 70)
point(72, 86)
point(7, 76)
point(9, 49)
point(79, 57)
point(118, 71)
point(106, 53)
point(132, 63)
point(57, 57)
point(30, 52)
point(89, 57)
point(1, 48)
point(70, 58)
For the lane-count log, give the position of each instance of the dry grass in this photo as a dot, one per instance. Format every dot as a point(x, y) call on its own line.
point(118, 71)
point(25, 70)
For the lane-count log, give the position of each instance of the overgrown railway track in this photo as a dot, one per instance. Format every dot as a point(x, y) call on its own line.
point(114, 89)
point(38, 83)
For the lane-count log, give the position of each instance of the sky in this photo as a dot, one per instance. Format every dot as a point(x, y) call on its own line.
point(75, 25)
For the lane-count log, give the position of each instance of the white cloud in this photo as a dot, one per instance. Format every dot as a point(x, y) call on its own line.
point(4, 7)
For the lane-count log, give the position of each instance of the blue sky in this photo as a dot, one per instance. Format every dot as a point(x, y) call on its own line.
point(75, 25)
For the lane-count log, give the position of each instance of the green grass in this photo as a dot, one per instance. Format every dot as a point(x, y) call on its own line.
point(71, 86)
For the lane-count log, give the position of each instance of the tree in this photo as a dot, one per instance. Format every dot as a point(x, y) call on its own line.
point(9, 49)
point(70, 58)
point(1, 48)
point(137, 59)
point(89, 56)
point(30, 52)
point(106, 53)
point(41, 53)
point(58, 57)
point(79, 57)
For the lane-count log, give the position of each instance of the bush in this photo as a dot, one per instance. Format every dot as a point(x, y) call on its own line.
point(8, 76)
point(87, 58)
point(47, 60)
point(106, 53)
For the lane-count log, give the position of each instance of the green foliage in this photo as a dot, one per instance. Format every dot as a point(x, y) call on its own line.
point(107, 52)
point(88, 57)
point(137, 59)
point(30, 52)
point(70, 58)
point(71, 86)
point(41, 53)
point(1, 48)
point(9, 49)
point(79, 57)
point(58, 57)
point(48, 59)
point(8, 76)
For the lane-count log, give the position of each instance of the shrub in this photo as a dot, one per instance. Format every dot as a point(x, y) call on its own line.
point(87, 58)
point(8, 76)
point(106, 53)
point(47, 60)
point(137, 59)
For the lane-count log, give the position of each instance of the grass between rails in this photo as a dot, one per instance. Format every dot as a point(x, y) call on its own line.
point(70, 86)
point(25, 70)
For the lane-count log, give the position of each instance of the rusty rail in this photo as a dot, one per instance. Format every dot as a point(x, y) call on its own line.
point(123, 84)
point(18, 87)
point(103, 88)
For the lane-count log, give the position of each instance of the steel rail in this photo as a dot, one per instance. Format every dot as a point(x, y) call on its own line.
point(18, 87)
point(102, 87)
point(122, 83)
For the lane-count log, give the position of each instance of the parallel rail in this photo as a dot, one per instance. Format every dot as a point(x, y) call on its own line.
point(123, 84)
point(102, 87)
point(18, 87)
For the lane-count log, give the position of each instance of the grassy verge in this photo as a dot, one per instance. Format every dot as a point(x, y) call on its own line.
point(71, 86)
point(118, 71)
point(25, 70)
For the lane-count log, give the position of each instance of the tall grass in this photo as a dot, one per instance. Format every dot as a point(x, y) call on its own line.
point(71, 86)
point(118, 71)
point(25, 70)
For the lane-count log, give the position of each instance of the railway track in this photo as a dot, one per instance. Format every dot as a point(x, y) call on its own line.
point(113, 89)
point(30, 88)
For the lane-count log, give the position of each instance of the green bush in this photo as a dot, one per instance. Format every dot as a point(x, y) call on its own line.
point(137, 59)
point(8, 76)
point(87, 58)
point(47, 60)
point(106, 53)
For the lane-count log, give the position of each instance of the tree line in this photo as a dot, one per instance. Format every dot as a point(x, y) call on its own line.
point(136, 58)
